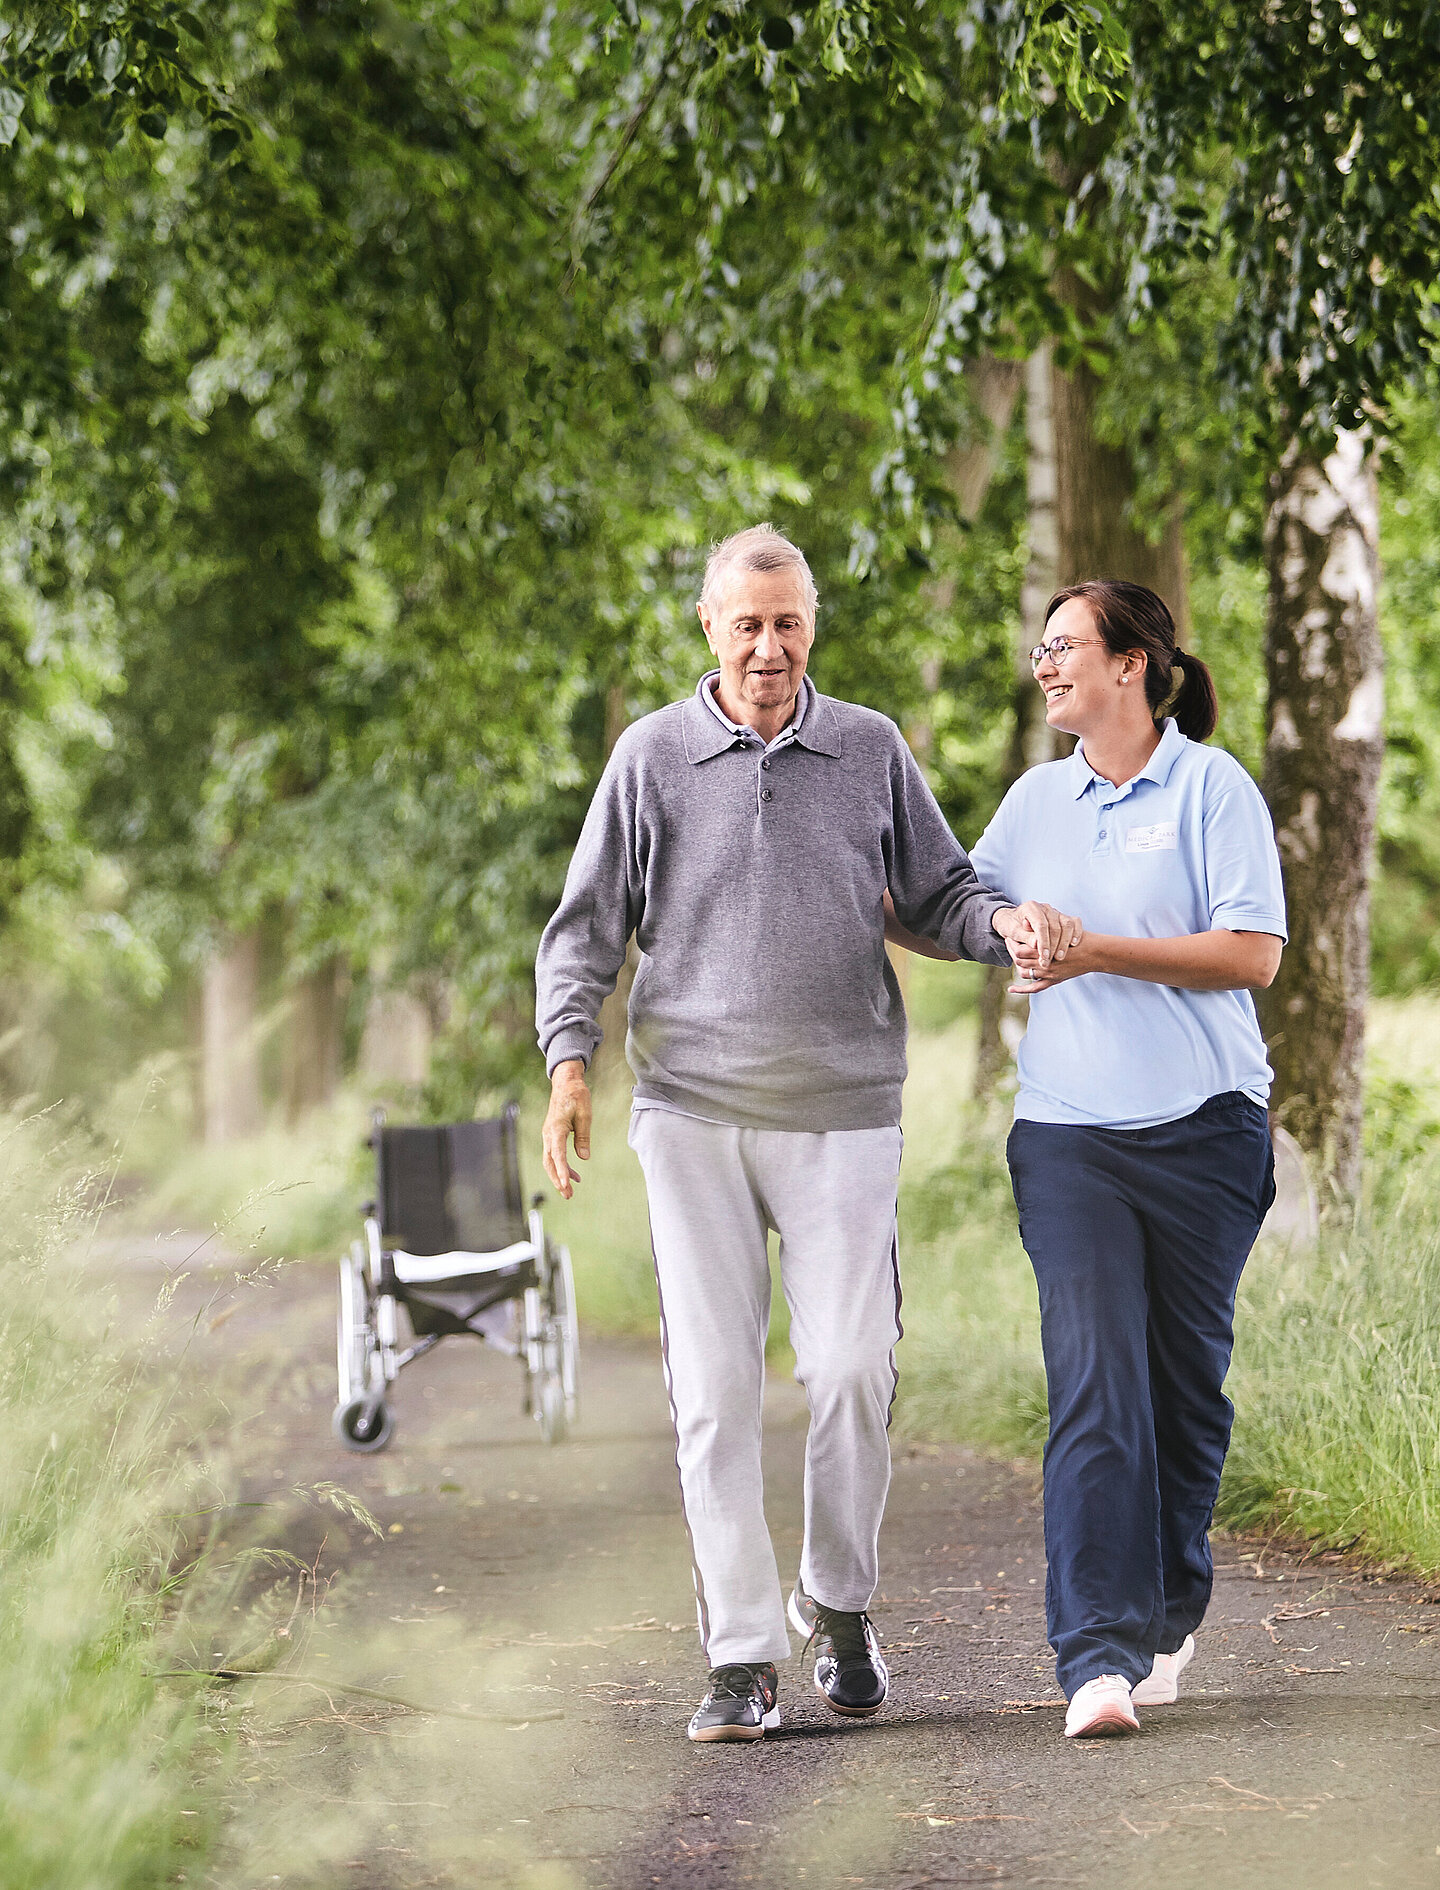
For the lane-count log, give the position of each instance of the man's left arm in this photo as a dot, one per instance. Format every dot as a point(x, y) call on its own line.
point(936, 899)
point(934, 890)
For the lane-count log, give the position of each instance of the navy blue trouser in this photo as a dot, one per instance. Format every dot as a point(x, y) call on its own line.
point(1137, 1238)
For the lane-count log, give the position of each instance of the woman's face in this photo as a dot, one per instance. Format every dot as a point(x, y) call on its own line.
point(1086, 686)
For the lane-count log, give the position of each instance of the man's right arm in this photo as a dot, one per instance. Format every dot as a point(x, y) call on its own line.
point(579, 961)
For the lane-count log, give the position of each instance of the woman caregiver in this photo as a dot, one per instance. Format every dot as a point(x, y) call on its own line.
point(1140, 1154)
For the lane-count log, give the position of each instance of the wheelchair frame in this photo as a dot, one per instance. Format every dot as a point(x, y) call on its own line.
point(535, 1275)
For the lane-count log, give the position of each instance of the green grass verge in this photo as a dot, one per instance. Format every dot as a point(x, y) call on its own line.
point(103, 1766)
point(288, 1193)
point(1336, 1380)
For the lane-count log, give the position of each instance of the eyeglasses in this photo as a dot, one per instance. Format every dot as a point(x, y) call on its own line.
point(1057, 649)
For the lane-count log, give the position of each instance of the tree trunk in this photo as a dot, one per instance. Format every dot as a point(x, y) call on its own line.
point(1095, 537)
point(230, 1097)
point(395, 1042)
point(1002, 1017)
point(1325, 671)
point(994, 387)
point(313, 1040)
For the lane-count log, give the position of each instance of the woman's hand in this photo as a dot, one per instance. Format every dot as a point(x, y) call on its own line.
point(1043, 933)
point(1032, 974)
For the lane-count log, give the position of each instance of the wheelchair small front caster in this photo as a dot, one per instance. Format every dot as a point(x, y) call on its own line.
point(362, 1427)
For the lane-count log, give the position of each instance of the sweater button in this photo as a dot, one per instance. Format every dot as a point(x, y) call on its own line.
point(764, 764)
point(766, 795)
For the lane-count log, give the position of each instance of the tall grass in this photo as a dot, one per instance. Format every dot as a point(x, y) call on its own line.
point(1336, 1380)
point(101, 1765)
point(288, 1192)
point(1336, 1385)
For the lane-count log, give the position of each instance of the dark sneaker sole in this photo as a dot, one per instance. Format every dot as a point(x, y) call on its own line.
point(851, 1712)
point(730, 1735)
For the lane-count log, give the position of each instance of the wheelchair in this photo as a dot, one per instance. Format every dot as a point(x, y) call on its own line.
point(448, 1239)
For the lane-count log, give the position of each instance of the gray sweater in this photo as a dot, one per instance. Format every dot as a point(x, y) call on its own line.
point(753, 881)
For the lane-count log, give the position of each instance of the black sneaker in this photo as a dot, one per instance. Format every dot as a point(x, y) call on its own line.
point(740, 1704)
point(850, 1676)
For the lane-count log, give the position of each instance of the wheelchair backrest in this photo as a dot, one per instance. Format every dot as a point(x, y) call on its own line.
point(450, 1188)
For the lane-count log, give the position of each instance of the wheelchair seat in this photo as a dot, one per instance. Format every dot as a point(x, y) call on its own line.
point(423, 1269)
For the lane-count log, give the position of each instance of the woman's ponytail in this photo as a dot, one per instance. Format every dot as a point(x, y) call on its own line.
point(1195, 708)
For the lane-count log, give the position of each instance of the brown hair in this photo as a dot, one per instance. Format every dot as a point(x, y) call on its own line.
point(1132, 617)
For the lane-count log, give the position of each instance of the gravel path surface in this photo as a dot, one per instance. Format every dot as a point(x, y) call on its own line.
point(536, 1604)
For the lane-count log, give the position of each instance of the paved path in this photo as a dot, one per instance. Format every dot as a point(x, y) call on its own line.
point(538, 1604)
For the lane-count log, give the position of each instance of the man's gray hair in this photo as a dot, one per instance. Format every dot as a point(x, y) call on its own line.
point(757, 548)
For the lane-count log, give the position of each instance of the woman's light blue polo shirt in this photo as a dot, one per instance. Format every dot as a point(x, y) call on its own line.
point(1186, 846)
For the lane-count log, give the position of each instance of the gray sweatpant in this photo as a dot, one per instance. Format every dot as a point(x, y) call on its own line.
point(714, 1193)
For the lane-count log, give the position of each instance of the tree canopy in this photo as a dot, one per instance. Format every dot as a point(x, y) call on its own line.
point(378, 370)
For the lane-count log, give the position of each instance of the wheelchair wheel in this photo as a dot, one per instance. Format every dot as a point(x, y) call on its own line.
point(566, 1328)
point(351, 1431)
point(562, 1325)
point(552, 1410)
point(354, 1335)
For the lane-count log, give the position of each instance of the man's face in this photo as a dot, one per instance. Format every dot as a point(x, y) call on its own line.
point(760, 625)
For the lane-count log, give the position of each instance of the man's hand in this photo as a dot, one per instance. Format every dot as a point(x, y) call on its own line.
point(568, 1114)
point(1044, 932)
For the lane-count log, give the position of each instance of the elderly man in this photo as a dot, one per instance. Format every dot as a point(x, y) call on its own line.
point(753, 838)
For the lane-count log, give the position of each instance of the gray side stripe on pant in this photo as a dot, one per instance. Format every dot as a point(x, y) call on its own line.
point(701, 1610)
point(899, 1327)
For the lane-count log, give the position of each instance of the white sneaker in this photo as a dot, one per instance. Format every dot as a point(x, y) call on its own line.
point(1163, 1686)
point(1101, 1710)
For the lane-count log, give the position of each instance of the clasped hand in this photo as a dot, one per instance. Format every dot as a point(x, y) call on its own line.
point(1046, 947)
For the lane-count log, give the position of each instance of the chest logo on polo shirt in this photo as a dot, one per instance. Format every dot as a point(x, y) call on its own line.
point(1163, 837)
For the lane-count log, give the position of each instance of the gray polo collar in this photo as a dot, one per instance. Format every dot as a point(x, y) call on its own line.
point(707, 734)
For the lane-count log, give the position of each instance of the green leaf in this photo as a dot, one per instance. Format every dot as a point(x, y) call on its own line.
point(160, 37)
point(153, 123)
point(112, 57)
point(222, 142)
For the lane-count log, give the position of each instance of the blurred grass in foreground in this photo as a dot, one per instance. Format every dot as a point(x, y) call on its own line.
point(127, 1579)
point(101, 1763)
point(290, 1192)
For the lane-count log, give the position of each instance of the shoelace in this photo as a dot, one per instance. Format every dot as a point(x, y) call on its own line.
point(732, 1683)
point(845, 1632)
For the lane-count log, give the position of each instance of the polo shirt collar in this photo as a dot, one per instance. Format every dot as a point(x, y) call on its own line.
point(1157, 769)
point(708, 731)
